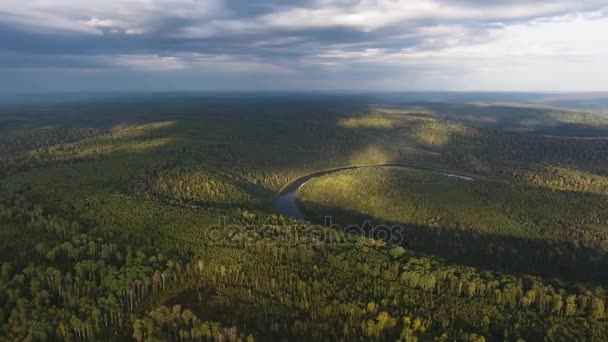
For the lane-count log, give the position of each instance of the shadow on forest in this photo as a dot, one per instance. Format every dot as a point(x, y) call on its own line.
point(508, 254)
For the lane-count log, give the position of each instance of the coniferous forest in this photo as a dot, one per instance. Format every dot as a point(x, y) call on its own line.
point(155, 218)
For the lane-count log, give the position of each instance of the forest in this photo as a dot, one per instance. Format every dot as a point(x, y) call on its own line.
point(153, 218)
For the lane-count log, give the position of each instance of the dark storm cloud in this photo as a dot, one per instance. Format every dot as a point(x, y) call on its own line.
point(338, 39)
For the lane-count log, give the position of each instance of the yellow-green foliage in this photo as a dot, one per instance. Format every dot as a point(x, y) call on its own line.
point(412, 197)
point(566, 178)
point(371, 121)
point(196, 186)
point(436, 200)
point(436, 134)
point(139, 130)
point(410, 126)
point(125, 138)
point(373, 154)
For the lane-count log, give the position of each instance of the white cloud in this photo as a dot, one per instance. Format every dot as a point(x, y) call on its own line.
point(366, 15)
point(148, 62)
point(218, 27)
point(369, 15)
point(574, 36)
point(196, 61)
point(96, 22)
point(567, 52)
point(89, 16)
point(208, 18)
point(438, 43)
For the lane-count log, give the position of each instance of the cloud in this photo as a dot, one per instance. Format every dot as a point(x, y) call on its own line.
point(149, 62)
point(369, 15)
point(392, 44)
point(89, 16)
point(554, 53)
point(580, 35)
point(96, 22)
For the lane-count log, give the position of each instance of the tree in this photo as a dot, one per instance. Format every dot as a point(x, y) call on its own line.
point(138, 332)
point(597, 307)
point(397, 252)
point(570, 305)
point(385, 321)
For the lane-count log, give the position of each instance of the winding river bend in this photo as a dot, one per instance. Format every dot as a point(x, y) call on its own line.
point(286, 203)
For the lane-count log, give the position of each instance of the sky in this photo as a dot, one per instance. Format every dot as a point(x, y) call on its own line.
point(378, 45)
